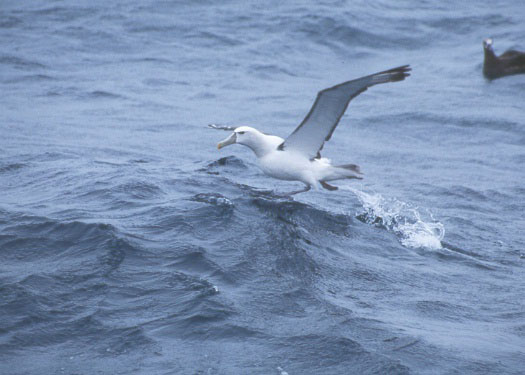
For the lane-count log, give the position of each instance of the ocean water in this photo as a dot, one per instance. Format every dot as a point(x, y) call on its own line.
point(130, 245)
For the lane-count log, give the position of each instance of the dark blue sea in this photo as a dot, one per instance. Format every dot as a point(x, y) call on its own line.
point(130, 245)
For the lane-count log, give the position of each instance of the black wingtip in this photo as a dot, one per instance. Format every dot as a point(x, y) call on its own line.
point(399, 73)
point(393, 75)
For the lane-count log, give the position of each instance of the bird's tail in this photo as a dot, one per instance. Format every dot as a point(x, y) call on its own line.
point(351, 168)
point(345, 171)
point(341, 172)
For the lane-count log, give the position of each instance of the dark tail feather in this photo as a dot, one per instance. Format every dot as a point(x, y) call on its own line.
point(351, 167)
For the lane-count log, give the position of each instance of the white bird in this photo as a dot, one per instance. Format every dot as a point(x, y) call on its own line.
point(298, 158)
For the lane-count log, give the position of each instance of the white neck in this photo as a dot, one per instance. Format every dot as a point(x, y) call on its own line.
point(262, 144)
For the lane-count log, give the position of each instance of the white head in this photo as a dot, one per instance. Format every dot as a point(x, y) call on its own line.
point(243, 135)
point(487, 43)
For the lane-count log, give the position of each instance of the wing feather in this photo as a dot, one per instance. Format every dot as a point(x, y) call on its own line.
point(221, 127)
point(328, 108)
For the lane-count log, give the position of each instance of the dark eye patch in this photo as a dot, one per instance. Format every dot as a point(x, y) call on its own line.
point(241, 132)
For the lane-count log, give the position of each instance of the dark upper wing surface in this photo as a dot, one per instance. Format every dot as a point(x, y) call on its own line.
point(328, 108)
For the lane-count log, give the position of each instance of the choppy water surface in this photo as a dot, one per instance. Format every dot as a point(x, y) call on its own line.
point(129, 244)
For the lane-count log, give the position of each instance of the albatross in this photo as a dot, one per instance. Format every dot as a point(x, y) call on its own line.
point(506, 64)
point(298, 158)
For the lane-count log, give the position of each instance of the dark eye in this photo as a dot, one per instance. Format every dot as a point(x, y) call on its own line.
point(241, 132)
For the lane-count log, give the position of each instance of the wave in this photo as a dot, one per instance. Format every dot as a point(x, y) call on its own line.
point(9, 167)
point(270, 71)
point(230, 162)
point(101, 94)
point(402, 219)
point(213, 199)
point(9, 22)
point(30, 78)
point(98, 246)
point(20, 63)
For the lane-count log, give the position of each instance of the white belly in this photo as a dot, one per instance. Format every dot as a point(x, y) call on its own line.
point(288, 166)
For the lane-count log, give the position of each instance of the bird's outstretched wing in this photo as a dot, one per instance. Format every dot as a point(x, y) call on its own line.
point(221, 127)
point(329, 106)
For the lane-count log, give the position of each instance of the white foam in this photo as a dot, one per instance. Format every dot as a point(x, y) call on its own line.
point(402, 219)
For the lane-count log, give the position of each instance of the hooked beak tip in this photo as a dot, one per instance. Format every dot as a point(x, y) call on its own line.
point(228, 141)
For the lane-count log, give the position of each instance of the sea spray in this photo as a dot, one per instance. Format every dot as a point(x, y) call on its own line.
point(402, 219)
